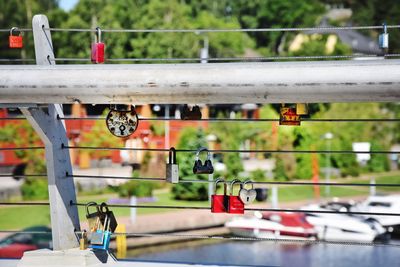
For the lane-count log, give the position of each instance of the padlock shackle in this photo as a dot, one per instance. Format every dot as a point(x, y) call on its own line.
point(384, 27)
point(102, 206)
point(220, 180)
point(13, 29)
point(106, 225)
point(233, 182)
point(98, 35)
point(89, 204)
point(201, 149)
point(248, 181)
point(172, 155)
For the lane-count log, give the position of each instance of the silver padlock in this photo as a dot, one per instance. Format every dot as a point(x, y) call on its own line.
point(384, 38)
point(172, 168)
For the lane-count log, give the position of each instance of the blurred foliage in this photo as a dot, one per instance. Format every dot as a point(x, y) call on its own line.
point(264, 14)
point(19, 13)
point(316, 45)
point(34, 189)
point(100, 136)
point(155, 14)
point(136, 188)
point(381, 136)
point(27, 137)
point(157, 128)
point(258, 175)
point(375, 12)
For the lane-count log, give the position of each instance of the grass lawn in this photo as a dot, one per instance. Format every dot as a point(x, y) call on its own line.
point(17, 217)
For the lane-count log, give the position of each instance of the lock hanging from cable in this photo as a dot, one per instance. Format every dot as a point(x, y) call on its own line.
point(15, 41)
point(289, 116)
point(98, 48)
point(384, 38)
point(172, 167)
point(199, 167)
point(190, 114)
point(122, 120)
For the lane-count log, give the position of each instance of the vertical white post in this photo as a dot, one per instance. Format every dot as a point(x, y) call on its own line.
point(372, 188)
point(133, 202)
point(167, 128)
point(64, 217)
point(274, 197)
point(328, 136)
point(204, 51)
point(211, 188)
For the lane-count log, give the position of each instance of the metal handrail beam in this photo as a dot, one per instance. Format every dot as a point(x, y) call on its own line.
point(267, 82)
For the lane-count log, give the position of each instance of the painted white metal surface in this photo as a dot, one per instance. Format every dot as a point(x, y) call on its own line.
point(273, 82)
point(64, 217)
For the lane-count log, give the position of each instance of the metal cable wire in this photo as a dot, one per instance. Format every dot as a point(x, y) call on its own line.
point(23, 175)
point(160, 179)
point(224, 119)
point(249, 209)
point(241, 119)
point(19, 29)
point(277, 240)
point(243, 59)
point(237, 150)
point(12, 118)
point(116, 177)
point(20, 148)
point(24, 232)
point(24, 203)
point(17, 60)
point(374, 27)
point(268, 120)
point(259, 183)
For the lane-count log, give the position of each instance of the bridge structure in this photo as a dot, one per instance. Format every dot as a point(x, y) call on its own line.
point(40, 90)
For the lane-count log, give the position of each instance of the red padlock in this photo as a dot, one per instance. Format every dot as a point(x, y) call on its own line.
point(15, 41)
point(98, 48)
point(235, 204)
point(219, 202)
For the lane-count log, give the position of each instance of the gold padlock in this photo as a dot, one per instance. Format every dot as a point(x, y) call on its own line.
point(83, 242)
point(301, 109)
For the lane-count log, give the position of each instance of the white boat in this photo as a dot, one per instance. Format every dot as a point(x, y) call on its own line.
point(382, 204)
point(343, 227)
point(280, 225)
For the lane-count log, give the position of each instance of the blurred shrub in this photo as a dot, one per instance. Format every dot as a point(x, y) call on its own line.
point(35, 189)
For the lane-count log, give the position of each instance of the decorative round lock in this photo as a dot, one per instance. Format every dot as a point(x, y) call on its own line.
point(122, 120)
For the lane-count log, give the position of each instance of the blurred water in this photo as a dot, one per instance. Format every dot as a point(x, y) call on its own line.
point(270, 254)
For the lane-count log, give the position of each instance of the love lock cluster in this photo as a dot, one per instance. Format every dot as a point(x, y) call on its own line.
point(102, 224)
point(219, 203)
point(232, 203)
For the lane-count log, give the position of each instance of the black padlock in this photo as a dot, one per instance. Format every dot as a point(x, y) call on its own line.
point(187, 114)
point(199, 167)
point(109, 215)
